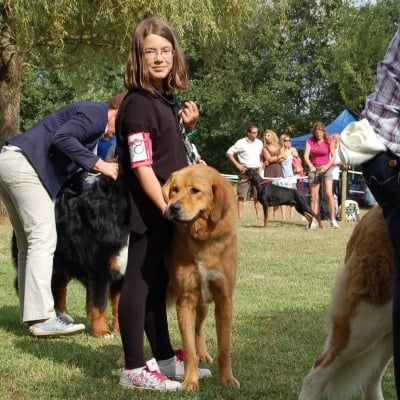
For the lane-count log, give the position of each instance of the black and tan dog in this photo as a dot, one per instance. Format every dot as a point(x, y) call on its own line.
point(270, 195)
point(92, 236)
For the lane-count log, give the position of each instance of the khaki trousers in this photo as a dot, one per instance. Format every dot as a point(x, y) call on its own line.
point(32, 215)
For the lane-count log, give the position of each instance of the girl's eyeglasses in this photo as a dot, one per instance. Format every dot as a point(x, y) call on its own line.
point(165, 53)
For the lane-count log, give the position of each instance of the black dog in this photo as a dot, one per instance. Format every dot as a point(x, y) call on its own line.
point(92, 231)
point(269, 195)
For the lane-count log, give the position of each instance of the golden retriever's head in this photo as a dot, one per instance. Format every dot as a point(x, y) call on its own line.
point(197, 192)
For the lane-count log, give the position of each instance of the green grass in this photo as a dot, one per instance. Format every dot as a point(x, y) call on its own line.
point(283, 289)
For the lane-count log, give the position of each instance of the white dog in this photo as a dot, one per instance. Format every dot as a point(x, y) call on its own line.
point(359, 343)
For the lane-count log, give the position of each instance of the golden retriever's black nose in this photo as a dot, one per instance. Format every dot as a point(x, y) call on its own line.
point(175, 208)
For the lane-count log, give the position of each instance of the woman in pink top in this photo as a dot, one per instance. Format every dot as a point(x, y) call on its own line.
point(319, 155)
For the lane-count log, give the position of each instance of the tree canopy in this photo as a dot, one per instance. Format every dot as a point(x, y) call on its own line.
point(282, 64)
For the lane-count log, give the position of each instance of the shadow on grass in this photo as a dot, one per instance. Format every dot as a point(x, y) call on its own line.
point(274, 351)
point(10, 320)
point(271, 354)
point(276, 224)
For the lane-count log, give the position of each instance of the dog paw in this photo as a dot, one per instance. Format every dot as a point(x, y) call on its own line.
point(230, 382)
point(190, 384)
point(102, 333)
point(205, 357)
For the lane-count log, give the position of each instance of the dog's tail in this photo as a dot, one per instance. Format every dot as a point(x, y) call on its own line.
point(304, 209)
point(310, 215)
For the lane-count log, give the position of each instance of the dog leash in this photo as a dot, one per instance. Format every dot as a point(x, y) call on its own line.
point(267, 181)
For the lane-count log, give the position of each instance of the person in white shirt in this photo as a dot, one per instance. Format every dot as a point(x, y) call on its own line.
point(246, 153)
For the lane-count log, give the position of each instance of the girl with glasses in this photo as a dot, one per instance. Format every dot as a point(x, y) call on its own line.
point(150, 147)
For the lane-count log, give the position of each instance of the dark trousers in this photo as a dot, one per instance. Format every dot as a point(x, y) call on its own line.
point(382, 175)
point(142, 304)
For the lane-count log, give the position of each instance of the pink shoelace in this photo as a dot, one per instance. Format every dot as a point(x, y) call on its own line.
point(158, 375)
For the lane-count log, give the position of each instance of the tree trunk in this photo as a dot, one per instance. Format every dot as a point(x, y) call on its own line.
point(10, 90)
point(10, 85)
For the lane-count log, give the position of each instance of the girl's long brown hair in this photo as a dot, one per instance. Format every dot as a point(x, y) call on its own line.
point(136, 74)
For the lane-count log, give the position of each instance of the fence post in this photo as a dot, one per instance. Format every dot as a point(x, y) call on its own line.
point(343, 194)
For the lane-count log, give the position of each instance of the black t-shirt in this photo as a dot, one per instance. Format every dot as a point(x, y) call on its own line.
point(142, 112)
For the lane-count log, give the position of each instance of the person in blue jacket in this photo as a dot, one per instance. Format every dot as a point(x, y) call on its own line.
point(34, 165)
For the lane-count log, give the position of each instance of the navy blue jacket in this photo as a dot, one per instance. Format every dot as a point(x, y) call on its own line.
point(63, 142)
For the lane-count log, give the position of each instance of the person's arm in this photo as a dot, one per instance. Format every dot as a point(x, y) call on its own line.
point(235, 162)
point(272, 159)
point(110, 169)
point(307, 157)
point(332, 155)
point(151, 186)
point(76, 137)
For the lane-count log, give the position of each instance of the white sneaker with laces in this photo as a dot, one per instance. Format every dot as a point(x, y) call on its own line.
point(174, 368)
point(148, 377)
point(62, 325)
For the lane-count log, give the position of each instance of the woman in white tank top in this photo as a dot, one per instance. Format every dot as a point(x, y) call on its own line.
point(287, 164)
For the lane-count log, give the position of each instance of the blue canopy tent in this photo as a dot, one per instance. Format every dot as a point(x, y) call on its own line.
point(336, 126)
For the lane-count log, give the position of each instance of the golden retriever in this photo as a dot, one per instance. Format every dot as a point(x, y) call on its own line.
point(202, 263)
point(359, 343)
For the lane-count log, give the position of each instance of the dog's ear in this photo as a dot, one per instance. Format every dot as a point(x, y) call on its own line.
point(222, 200)
point(165, 188)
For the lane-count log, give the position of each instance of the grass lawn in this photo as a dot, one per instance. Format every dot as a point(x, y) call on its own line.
point(283, 289)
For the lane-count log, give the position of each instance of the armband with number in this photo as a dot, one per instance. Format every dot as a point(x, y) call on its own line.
point(140, 149)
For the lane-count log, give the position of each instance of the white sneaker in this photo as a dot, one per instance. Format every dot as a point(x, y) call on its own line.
point(148, 377)
point(334, 224)
point(59, 326)
point(175, 368)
